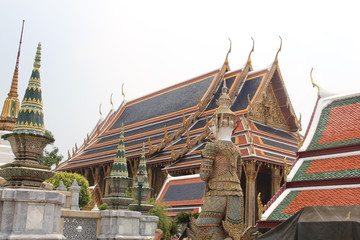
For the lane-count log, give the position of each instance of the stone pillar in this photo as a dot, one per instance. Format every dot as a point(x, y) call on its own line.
point(251, 169)
point(148, 225)
point(75, 194)
point(131, 225)
point(275, 180)
point(27, 214)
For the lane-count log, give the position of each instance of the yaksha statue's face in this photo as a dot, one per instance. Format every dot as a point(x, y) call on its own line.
point(222, 126)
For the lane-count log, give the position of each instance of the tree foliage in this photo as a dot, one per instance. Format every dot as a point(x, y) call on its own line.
point(68, 179)
point(165, 223)
point(48, 158)
point(184, 217)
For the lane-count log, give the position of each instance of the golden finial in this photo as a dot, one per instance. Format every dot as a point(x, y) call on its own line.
point(73, 151)
point(76, 147)
point(69, 156)
point(183, 119)
point(286, 169)
point(298, 123)
point(166, 135)
point(199, 101)
point(188, 141)
point(173, 154)
point(111, 101)
point(227, 55)
point(252, 50)
point(313, 82)
point(166, 170)
point(260, 206)
point(276, 57)
point(100, 112)
point(150, 145)
point(122, 91)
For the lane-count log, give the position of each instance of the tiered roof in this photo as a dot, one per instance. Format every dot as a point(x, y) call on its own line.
point(327, 171)
point(173, 122)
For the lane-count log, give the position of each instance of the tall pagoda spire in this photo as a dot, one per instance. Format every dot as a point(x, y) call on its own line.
point(31, 117)
point(11, 105)
point(119, 167)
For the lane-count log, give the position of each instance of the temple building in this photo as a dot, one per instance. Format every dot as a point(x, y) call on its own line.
point(10, 111)
point(327, 168)
point(173, 124)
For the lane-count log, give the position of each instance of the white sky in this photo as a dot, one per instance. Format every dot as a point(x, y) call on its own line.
point(91, 47)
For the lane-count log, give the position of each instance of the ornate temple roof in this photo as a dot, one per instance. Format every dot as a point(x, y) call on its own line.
point(182, 194)
point(327, 169)
point(173, 121)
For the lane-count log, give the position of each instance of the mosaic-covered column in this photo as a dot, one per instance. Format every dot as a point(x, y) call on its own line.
point(251, 169)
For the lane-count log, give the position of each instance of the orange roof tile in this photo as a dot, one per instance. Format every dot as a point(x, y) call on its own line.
point(324, 197)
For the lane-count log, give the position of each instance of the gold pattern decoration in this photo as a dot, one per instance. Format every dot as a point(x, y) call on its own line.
point(260, 206)
point(268, 111)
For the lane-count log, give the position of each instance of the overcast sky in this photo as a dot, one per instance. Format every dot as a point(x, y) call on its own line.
point(91, 47)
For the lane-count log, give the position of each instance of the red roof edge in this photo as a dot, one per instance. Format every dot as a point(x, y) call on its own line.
point(268, 224)
point(323, 182)
point(277, 194)
point(330, 150)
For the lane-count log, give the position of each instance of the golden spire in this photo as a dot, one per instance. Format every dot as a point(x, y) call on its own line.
point(12, 103)
point(277, 54)
point(252, 50)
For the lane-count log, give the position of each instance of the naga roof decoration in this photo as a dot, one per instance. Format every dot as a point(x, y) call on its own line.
point(31, 118)
point(327, 170)
point(119, 166)
point(11, 105)
point(173, 121)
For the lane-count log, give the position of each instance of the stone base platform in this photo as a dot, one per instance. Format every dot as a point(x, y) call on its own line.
point(30, 214)
point(119, 224)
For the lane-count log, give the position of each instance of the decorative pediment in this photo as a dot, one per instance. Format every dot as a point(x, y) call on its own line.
point(267, 110)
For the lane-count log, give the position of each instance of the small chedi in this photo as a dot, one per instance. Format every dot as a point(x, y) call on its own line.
point(28, 138)
point(141, 188)
point(118, 180)
point(222, 213)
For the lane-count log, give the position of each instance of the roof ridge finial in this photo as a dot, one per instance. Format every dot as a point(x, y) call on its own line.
point(111, 101)
point(313, 82)
point(277, 54)
point(100, 112)
point(227, 55)
point(252, 50)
